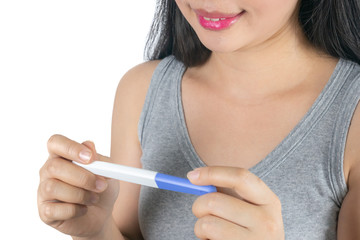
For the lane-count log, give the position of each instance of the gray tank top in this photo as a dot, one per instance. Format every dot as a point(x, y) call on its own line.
point(305, 170)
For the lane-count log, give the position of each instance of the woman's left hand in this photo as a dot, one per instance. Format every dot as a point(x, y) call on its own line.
point(243, 208)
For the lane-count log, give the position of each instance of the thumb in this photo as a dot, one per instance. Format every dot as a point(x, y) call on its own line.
point(95, 156)
point(91, 146)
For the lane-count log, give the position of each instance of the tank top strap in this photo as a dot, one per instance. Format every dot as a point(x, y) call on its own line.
point(346, 102)
point(163, 83)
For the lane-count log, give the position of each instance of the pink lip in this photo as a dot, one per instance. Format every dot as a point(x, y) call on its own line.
point(201, 12)
point(224, 20)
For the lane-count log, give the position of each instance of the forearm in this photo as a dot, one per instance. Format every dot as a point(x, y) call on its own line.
point(109, 232)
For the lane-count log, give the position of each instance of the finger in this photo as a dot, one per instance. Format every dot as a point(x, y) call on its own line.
point(62, 146)
point(215, 228)
point(243, 182)
point(72, 174)
point(55, 190)
point(97, 156)
point(51, 212)
point(91, 146)
point(227, 207)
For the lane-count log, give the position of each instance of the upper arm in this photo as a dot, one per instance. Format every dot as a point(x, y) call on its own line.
point(349, 217)
point(125, 145)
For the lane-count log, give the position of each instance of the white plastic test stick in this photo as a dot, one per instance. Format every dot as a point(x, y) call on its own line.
point(146, 177)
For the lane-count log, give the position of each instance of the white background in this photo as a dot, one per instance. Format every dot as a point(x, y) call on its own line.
point(60, 64)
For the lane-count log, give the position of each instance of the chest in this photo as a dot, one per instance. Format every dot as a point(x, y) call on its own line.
point(240, 133)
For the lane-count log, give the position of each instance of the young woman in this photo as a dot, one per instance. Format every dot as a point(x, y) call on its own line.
point(258, 98)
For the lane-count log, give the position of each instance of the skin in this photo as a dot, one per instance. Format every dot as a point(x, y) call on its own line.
point(277, 80)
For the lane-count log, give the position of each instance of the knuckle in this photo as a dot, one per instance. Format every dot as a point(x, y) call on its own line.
point(51, 167)
point(258, 180)
point(71, 211)
point(242, 173)
point(80, 196)
point(70, 149)
point(205, 227)
point(199, 228)
point(86, 180)
point(212, 200)
point(49, 188)
point(211, 173)
point(241, 178)
point(75, 210)
point(204, 205)
point(246, 177)
point(47, 213)
point(271, 226)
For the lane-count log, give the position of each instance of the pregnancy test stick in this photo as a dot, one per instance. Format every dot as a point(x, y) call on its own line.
point(146, 177)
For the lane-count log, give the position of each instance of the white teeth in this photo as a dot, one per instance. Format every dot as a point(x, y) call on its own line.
point(213, 19)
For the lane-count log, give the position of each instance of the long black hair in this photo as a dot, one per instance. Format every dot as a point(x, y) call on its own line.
point(332, 26)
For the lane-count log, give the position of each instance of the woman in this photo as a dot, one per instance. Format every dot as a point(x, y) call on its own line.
point(257, 98)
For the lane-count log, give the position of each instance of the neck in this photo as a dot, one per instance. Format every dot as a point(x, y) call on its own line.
point(278, 64)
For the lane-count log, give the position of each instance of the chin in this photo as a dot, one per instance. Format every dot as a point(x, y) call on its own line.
point(222, 44)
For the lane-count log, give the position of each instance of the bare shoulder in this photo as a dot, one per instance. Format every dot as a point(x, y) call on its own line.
point(132, 89)
point(128, 104)
point(136, 81)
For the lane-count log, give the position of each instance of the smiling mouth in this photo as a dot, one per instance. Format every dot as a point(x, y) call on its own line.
point(217, 21)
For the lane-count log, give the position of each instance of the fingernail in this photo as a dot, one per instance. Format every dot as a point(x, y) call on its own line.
point(193, 175)
point(100, 184)
point(85, 156)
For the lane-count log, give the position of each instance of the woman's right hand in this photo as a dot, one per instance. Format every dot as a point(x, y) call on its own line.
point(70, 198)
